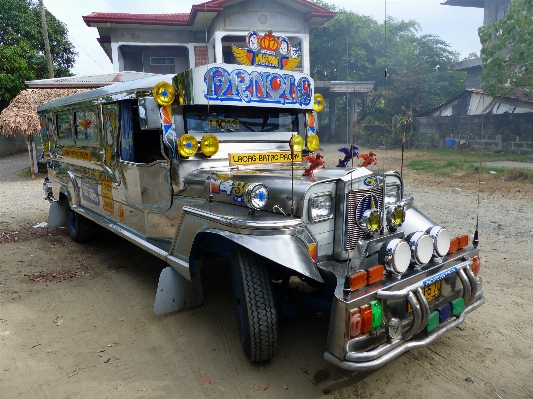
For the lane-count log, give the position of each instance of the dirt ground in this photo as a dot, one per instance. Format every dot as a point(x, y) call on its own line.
point(76, 321)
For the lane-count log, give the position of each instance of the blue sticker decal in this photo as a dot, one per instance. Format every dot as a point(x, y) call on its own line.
point(89, 190)
point(440, 276)
point(370, 181)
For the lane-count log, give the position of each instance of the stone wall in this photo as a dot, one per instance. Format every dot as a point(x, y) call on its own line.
point(505, 132)
point(12, 145)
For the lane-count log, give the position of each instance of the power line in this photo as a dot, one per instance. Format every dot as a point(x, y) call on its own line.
point(87, 54)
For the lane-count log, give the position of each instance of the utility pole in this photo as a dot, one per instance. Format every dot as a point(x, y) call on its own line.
point(46, 42)
point(50, 75)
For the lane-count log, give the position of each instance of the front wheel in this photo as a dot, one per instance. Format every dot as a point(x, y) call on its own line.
point(256, 311)
point(80, 229)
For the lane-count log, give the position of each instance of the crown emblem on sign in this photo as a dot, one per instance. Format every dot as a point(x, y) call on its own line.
point(267, 51)
point(269, 42)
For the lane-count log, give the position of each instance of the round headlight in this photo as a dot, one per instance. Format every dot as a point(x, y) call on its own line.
point(313, 142)
point(209, 145)
point(187, 145)
point(256, 196)
point(164, 93)
point(297, 142)
point(441, 240)
point(395, 255)
point(318, 102)
point(370, 222)
point(395, 216)
point(421, 246)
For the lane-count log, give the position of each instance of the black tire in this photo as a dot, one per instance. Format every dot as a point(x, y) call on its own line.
point(256, 311)
point(80, 229)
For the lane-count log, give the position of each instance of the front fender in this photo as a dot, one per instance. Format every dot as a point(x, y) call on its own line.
point(287, 250)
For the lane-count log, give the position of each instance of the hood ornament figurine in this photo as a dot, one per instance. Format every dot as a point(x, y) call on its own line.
point(368, 159)
point(316, 162)
point(349, 154)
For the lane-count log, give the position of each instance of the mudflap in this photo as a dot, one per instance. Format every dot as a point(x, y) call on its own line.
point(57, 214)
point(175, 292)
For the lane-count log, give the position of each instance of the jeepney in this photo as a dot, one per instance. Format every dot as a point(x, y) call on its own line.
point(215, 160)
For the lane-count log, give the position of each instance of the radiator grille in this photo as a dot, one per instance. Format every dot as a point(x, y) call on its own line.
point(353, 231)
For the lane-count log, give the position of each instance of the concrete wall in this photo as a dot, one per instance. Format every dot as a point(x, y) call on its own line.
point(506, 132)
point(13, 145)
point(494, 10)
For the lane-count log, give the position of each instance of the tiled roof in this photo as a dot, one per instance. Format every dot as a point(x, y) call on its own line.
point(147, 19)
point(211, 6)
point(89, 80)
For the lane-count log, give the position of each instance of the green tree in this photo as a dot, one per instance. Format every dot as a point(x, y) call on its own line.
point(507, 51)
point(22, 47)
point(357, 47)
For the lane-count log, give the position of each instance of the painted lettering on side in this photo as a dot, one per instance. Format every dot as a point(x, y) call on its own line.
point(265, 158)
point(107, 195)
point(238, 85)
point(76, 153)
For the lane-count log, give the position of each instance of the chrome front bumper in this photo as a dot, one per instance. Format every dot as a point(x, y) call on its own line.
point(373, 359)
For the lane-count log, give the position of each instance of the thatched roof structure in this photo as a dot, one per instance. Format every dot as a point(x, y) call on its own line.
point(21, 115)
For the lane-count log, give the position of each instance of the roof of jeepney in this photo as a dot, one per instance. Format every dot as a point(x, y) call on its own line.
point(111, 90)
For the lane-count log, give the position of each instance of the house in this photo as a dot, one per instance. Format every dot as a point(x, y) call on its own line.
point(172, 43)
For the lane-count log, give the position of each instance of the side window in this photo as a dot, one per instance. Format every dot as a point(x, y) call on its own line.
point(64, 129)
point(86, 122)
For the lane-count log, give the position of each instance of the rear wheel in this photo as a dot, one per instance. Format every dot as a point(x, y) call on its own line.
point(256, 311)
point(79, 227)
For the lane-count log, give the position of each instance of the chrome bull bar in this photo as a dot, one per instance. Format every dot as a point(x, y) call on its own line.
point(359, 361)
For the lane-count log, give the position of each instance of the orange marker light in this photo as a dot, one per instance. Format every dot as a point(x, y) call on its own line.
point(366, 319)
point(463, 241)
point(312, 248)
point(358, 280)
point(375, 273)
point(454, 245)
point(476, 265)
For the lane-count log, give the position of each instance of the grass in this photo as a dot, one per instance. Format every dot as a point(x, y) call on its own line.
point(466, 170)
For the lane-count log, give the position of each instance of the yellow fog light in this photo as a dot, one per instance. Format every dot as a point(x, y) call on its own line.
point(313, 142)
point(318, 102)
point(187, 145)
point(370, 222)
point(395, 216)
point(164, 93)
point(297, 143)
point(209, 145)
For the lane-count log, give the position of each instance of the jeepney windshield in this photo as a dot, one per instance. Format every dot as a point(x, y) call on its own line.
point(239, 119)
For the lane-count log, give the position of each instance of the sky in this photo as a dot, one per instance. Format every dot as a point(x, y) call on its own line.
point(455, 25)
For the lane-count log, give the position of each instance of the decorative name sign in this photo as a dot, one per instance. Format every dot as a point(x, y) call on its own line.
point(239, 85)
point(267, 51)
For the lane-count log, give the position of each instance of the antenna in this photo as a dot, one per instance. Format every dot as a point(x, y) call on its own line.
point(475, 240)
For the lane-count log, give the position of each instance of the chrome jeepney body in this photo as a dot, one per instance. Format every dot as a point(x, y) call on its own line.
point(147, 170)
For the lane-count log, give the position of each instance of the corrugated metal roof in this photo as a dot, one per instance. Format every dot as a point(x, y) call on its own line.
point(93, 81)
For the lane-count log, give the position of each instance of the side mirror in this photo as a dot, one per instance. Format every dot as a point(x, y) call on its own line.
point(149, 114)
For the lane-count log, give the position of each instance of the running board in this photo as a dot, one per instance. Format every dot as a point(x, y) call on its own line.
point(160, 251)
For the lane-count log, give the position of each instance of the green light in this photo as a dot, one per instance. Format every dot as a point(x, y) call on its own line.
point(458, 305)
point(433, 321)
point(376, 314)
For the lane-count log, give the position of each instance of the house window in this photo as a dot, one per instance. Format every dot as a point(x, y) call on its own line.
point(161, 61)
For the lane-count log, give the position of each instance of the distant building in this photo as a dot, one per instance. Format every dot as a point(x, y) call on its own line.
point(494, 11)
